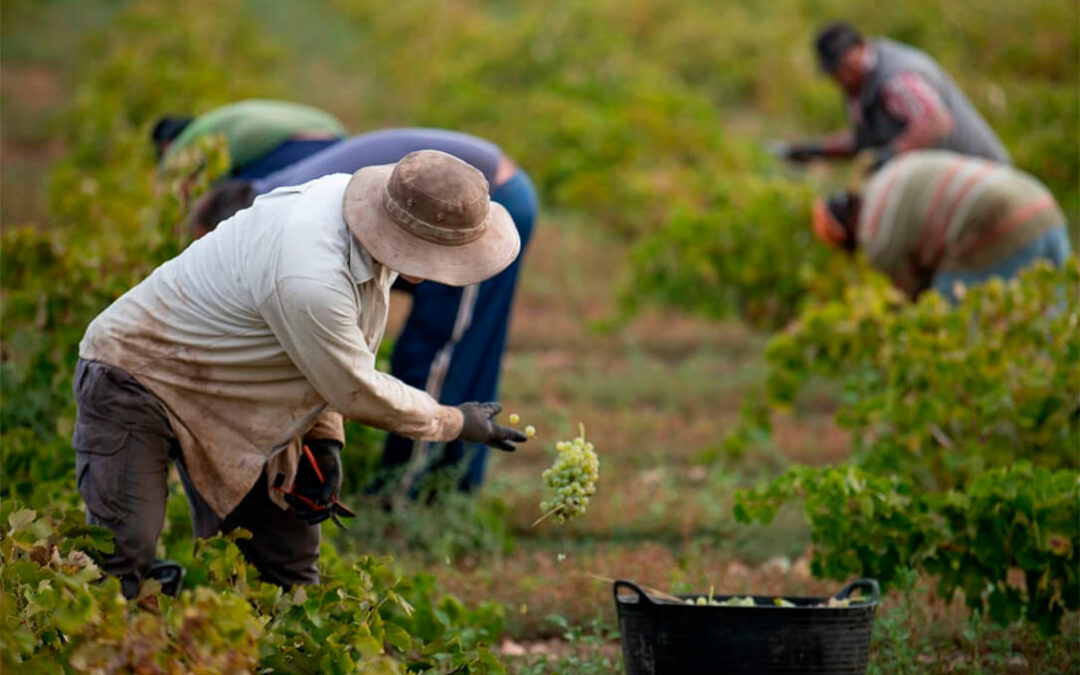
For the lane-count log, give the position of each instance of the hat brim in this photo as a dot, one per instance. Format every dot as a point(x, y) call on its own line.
point(407, 254)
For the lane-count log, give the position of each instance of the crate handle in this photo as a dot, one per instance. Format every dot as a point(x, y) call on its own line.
point(865, 584)
point(643, 597)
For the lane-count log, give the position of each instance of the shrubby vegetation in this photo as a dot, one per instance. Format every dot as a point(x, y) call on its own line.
point(748, 253)
point(634, 125)
point(965, 429)
point(941, 393)
point(962, 420)
point(59, 611)
point(631, 127)
point(111, 221)
point(621, 108)
point(1016, 518)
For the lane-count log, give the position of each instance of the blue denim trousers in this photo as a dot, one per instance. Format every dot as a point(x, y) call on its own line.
point(472, 373)
point(1052, 245)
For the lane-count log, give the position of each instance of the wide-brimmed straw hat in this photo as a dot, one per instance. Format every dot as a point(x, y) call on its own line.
point(430, 216)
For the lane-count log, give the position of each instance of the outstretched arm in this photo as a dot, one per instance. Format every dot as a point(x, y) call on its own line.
point(315, 321)
point(838, 145)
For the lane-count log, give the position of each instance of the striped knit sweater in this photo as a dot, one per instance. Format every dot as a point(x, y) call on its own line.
point(935, 210)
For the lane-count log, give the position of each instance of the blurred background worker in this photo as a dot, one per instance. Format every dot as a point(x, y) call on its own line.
point(262, 136)
point(898, 99)
point(454, 338)
point(934, 218)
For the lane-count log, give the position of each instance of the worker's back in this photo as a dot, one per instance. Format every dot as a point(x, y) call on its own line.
point(203, 333)
point(386, 146)
point(254, 128)
point(938, 210)
point(971, 135)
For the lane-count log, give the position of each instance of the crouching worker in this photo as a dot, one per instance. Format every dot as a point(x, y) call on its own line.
point(228, 356)
point(262, 136)
point(935, 219)
point(898, 100)
point(453, 341)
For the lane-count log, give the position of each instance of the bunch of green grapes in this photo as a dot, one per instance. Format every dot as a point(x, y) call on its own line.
point(571, 479)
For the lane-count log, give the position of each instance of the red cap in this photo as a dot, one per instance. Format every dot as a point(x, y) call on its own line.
point(826, 226)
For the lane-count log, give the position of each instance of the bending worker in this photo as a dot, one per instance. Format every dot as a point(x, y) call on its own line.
point(932, 219)
point(262, 136)
point(226, 357)
point(898, 100)
point(453, 341)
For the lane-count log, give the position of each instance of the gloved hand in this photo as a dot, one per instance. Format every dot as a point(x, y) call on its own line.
point(480, 427)
point(804, 152)
point(318, 482)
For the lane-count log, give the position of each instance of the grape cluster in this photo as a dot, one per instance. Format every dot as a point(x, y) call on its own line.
point(572, 478)
point(735, 601)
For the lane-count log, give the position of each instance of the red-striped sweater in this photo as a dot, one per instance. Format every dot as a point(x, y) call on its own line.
point(935, 210)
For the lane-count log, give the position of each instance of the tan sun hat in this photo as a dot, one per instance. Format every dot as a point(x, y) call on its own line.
point(430, 216)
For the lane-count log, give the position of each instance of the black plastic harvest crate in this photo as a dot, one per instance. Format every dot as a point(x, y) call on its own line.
point(664, 637)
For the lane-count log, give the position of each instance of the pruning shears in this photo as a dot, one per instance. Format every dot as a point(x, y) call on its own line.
point(315, 499)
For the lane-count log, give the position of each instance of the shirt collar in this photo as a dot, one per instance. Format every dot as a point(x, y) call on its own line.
point(364, 268)
point(361, 265)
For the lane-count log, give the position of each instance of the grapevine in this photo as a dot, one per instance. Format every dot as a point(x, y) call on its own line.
point(571, 479)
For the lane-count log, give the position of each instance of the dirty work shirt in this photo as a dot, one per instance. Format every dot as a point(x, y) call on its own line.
point(248, 335)
point(254, 128)
point(386, 146)
point(933, 210)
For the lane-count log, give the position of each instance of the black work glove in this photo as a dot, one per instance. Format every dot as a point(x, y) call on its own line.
point(480, 427)
point(318, 482)
point(804, 152)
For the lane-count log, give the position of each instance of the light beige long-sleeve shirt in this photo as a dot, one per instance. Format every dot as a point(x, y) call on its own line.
point(258, 331)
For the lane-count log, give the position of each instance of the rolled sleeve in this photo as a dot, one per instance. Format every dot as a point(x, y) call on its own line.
point(316, 323)
point(327, 426)
point(910, 98)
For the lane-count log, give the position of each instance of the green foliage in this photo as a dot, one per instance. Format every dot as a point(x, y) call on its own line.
point(61, 615)
point(964, 422)
point(1015, 518)
point(941, 393)
point(747, 253)
point(628, 113)
point(599, 123)
point(112, 220)
point(618, 108)
point(645, 116)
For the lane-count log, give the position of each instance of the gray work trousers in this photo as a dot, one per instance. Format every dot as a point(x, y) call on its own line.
point(124, 446)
